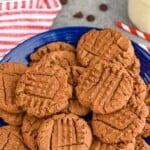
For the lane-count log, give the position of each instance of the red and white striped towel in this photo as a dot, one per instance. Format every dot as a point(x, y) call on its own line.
point(21, 19)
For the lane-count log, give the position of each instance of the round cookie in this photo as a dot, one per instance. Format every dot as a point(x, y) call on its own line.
point(98, 145)
point(11, 118)
point(121, 126)
point(43, 90)
point(141, 144)
point(125, 124)
point(107, 44)
point(29, 130)
point(10, 139)
point(10, 73)
point(64, 132)
point(105, 87)
point(51, 47)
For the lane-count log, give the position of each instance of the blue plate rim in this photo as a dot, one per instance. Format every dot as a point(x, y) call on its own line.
point(69, 27)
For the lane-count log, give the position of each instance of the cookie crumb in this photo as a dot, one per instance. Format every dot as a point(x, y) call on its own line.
point(90, 18)
point(103, 7)
point(78, 15)
point(63, 2)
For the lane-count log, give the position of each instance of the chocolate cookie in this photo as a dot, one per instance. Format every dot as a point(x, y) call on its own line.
point(10, 139)
point(11, 118)
point(104, 88)
point(29, 130)
point(98, 145)
point(10, 73)
point(64, 132)
point(51, 47)
point(43, 90)
point(141, 144)
point(107, 44)
point(121, 126)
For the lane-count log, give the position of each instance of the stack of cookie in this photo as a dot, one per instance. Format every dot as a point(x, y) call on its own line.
point(86, 98)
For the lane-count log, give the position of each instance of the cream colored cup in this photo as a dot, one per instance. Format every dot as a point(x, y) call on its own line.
point(139, 14)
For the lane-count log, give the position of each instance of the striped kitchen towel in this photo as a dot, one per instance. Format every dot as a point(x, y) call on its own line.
point(21, 19)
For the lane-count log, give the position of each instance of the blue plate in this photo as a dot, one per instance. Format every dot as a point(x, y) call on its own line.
point(70, 35)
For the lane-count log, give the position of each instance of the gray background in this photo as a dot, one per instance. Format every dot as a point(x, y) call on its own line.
point(117, 11)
